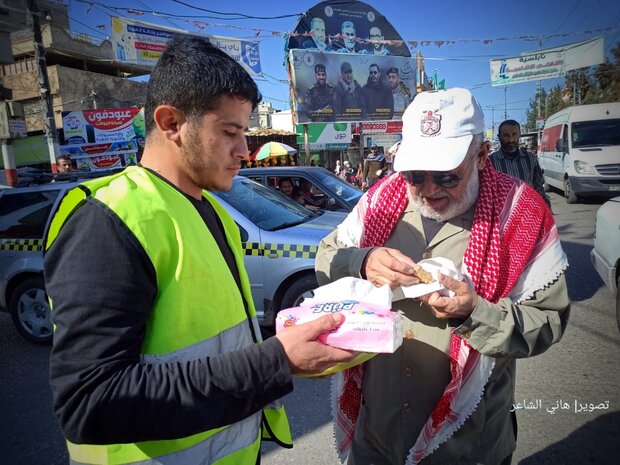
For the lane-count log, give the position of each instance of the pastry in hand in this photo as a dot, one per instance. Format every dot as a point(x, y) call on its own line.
point(423, 275)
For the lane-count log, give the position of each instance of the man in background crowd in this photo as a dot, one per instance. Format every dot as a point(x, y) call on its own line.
point(517, 162)
point(375, 167)
point(63, 164)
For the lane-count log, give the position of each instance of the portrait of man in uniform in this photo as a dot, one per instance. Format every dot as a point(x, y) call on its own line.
point(319, 99)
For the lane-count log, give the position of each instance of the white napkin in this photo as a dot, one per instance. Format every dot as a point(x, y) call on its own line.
point(434, 266)
point(353, 289)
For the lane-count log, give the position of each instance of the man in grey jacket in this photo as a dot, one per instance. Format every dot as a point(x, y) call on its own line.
point(446, 395)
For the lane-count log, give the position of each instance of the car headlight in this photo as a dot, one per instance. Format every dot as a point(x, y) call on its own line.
point(583, 167)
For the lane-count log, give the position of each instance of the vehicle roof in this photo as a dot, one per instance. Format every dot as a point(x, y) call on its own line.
point(594, 111)
point(305, 169)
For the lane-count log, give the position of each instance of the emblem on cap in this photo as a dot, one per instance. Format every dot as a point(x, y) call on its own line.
point(430, 124)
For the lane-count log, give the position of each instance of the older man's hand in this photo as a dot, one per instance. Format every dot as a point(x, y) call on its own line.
point(389, 266)
point(459, 306)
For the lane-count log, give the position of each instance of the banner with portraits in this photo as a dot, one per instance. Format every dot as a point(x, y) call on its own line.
point(333, 87)
point(143, 43)
point(347, 27)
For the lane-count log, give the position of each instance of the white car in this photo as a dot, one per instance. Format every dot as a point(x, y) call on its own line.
point(606, 252)
point(280, 239)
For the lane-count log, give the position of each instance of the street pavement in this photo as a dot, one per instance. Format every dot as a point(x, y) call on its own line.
point(570, 404)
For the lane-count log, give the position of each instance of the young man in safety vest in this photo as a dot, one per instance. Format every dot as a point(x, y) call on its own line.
point(157, 355)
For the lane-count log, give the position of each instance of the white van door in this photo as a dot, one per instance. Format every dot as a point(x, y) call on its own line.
point(552, 154)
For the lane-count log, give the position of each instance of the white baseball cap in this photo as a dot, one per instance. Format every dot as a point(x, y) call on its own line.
point(438, 128)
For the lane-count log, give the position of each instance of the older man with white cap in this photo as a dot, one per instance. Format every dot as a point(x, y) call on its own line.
point(446, 395)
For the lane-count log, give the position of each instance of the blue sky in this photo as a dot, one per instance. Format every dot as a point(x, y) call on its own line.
point(502, 24)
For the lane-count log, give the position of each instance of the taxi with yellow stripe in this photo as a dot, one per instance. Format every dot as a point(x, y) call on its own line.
point(280, 239)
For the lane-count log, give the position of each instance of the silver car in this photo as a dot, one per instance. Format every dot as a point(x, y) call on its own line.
point(280, 238)
point(606, 252)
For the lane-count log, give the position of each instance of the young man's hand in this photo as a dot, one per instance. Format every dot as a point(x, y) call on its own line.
point(305, 354)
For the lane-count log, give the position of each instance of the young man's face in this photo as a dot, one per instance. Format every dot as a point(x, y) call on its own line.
point(509, 137)
point(286, 188)
point(393, 80)
point(321, 77)
point(213, 146)
point(373, 74)
point(347, 76)
point(63, 166)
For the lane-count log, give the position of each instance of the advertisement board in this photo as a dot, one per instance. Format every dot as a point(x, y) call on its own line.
point(143, 43)
point(325, 136)
point(102, 138)
point(332, 87)
point(104, 156)
point(546, 64)
point(383, 127)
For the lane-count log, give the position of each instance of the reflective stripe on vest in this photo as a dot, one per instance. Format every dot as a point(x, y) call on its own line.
point(186, 322)
point(232, 445)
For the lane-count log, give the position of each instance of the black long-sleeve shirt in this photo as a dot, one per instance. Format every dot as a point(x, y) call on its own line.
point(103, 287)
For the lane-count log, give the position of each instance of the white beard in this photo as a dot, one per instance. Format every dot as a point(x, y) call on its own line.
point(455, 207)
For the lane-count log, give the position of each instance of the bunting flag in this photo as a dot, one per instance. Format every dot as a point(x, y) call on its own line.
point(411, 43)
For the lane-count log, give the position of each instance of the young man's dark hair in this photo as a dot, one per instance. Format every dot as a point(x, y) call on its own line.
point(508, 122)
point(191, 75)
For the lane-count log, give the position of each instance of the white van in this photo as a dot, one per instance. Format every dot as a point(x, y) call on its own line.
point(580, 151)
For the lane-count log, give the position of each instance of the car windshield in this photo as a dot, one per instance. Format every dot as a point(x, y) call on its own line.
point(596, 133)
point(339, 187)
point(265, 207)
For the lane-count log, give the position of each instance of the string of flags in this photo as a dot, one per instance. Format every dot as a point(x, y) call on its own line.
point(201, 25)
point(411, 43)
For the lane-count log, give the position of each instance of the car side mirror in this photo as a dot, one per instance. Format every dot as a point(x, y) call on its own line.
point(243, 233)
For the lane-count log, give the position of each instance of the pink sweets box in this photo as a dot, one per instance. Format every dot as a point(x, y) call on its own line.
point(366, 327)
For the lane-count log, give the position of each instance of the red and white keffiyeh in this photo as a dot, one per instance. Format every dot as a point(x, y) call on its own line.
point(514, 250)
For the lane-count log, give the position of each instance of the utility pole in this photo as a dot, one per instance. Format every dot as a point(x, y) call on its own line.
point(44, 85)
point(539, 100)
point(505, 109)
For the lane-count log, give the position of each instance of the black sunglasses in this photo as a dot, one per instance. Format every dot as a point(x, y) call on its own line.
point(446, 180)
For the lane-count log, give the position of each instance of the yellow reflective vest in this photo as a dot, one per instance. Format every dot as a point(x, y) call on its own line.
point(187, 322)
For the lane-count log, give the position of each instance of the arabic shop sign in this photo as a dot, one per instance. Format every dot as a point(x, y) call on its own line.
point(143, 43)
point(102, 138)
point(546, 64)
point(325, 136)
